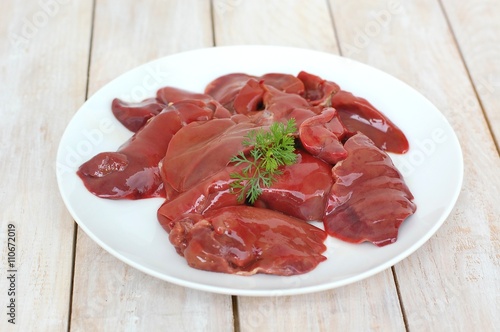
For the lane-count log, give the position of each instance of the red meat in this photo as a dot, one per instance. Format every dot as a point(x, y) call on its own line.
point(247, 240)
point(356, 113)
point(301, 190)
point(132, 172)
point(369, 199)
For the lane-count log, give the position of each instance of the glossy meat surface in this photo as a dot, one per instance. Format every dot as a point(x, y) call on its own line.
point(247, 240)
point(321, 136)
point(229, 88)
point(182, 150)
point(211, 193)
point(301, 191)
point(369, 199)
point(132, 172)
point(169, 95)
point(357, 114)
point(202, 149)
point(135, 115)
point(317, 91)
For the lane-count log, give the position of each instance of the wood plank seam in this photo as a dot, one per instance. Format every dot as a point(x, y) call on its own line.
point(76, 228)
point(469, 75)
point(236, 320)
point(334, 27)
point(212, 17)
point(400, 298)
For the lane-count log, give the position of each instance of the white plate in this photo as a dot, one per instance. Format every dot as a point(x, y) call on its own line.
point(129, 230)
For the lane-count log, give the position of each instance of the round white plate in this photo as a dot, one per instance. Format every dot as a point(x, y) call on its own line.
point(129, 230)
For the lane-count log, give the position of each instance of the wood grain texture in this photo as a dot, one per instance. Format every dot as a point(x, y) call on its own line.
point(476, 26)
point(451, 283)
point(42, 75)
point(310, 27)
point(128, 34)
point(112, 296)
point(369, 305)
point(108, 294)
point(289, 23)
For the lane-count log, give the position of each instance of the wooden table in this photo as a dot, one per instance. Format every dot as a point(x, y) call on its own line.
point(55, 54)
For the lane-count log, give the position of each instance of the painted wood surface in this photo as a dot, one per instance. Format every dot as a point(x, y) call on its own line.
point(43, 67)
point(477, 31)
point(55, 55)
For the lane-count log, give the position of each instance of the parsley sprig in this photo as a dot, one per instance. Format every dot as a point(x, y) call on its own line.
point(270, 150)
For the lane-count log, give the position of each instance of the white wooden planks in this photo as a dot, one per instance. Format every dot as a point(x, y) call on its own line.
point(43, 70)
point(476, 27)
point(289, 23)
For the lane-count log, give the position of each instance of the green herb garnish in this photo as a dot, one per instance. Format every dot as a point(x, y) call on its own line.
point(270, 150)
